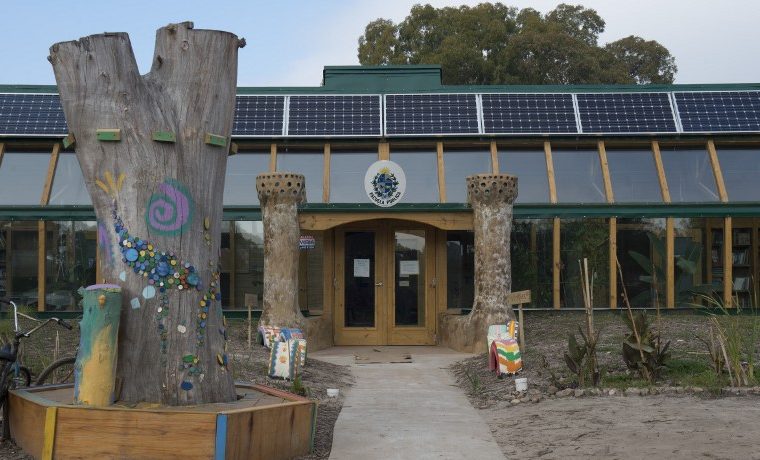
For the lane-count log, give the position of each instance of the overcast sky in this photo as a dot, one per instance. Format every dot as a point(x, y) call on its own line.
point(290, 41)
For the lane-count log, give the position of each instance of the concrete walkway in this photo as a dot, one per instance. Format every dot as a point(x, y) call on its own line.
point(407, 411)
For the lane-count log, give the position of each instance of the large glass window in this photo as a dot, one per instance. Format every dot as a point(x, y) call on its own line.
point(421, 171)
point(689, 174)
point(22, 177)
point(694, 272)
point(641, 254)
point(19, 261)
point(240, 181)
point(633, 174)
point(308, 163)
point(69, 262)
point(248, 275)
point(531, 252)
point(578, 174)
point(68, 184)
point(310, 272)
point(584, 238)
point(530, 168)
point(460, 269)
point(741, 169)
point(459, 164)
point(347, 171)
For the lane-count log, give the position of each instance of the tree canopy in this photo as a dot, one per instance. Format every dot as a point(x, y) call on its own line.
point(492, 43)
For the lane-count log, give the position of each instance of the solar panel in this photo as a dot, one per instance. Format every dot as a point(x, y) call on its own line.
point(626, 113)
point(258, 115)
point(528, 113)
point(419, 114)
point(330, 115)
point(31, 114)
point(719, 111)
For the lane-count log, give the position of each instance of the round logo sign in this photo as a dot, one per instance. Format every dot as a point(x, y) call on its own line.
point(385, 183)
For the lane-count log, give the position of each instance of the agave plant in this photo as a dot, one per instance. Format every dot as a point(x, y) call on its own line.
point(643, 349)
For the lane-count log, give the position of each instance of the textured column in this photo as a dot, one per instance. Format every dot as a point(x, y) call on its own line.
point(491, 197)
point(280, 194)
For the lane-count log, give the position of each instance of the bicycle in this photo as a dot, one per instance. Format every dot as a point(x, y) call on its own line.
point(14, 375)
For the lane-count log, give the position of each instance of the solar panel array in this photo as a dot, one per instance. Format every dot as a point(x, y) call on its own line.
point(334, 116)
point(31, 114)
point(259, 116)
point(626, 113)
point(23, 114)
point(528, 113)
point(421, 114)
point(719, 110)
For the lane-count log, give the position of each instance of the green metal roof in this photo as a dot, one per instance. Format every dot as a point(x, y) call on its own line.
point(421, 79)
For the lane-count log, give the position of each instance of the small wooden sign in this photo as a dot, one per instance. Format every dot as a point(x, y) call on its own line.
point(518, 298)
point(251, 301)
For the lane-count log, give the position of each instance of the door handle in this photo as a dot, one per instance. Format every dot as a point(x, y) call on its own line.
point(378, 284)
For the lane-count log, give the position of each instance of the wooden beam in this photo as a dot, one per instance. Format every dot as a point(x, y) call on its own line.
point(605, 172)
point(728, 262)
point(326, 175)
point(384, 151)
point(670, 263)
point(2, 151)
point(556, 263)
point(441, 173)
point(494, 158)
point(328, 220)
point(550, 171)
point(613, 262)
point(52, 165)
point(41, 249)
point(233, 266)
point(717, 171)
point(273, 158)
point(660, 172)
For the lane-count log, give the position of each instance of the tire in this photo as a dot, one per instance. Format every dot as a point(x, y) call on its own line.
point(60, 371)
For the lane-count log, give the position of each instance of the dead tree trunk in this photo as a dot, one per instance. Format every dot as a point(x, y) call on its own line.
point(157, 193)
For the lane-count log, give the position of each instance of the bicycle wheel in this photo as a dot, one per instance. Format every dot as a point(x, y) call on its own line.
point(60, 371)
point(20, 379)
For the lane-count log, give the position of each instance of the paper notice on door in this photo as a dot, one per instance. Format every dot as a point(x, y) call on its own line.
point(409, 267)
point(361, 268)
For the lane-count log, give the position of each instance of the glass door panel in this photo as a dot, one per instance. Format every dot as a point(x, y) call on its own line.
point(359, 277)
point(409, 256)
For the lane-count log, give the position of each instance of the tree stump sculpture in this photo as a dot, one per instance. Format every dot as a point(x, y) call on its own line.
point(491, 198)
point(280, 194)
point(153, 150)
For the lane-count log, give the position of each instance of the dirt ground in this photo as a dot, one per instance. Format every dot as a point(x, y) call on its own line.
point(627, 427)
point(635, 427)
point(247, 365)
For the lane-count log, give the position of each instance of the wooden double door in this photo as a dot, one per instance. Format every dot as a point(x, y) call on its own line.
point(385, 282)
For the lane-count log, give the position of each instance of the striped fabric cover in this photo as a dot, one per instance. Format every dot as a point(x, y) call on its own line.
point(503, 351)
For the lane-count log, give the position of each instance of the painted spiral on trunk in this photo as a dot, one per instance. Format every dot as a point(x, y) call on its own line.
point(170, 210)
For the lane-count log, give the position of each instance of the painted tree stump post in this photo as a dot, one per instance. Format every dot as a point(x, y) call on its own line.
point(95, 370)
point(491, 197)
point(280, 194)
point(153, 151)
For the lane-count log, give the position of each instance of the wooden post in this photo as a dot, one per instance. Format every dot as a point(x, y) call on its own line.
point(521, 329)
point(326, 175)
point(556, 263)
point(441, 172)
point(494, 158)
point(670, 263)
point(95, 370)
point(273, 158)
point(728, 262)
point(612, 261)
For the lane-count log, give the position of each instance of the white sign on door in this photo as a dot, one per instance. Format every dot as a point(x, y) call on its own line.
point(361, 268)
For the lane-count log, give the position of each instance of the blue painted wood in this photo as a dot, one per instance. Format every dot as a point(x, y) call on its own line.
point(221, 437)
